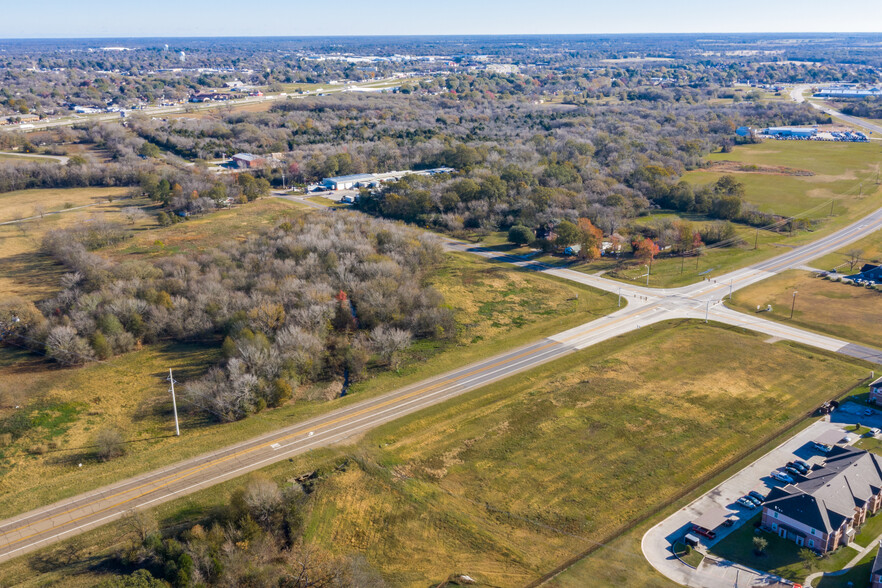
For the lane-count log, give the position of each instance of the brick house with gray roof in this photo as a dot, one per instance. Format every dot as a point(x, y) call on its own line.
point(822, 509)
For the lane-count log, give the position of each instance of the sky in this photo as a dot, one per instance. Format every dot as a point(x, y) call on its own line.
point(187, 18)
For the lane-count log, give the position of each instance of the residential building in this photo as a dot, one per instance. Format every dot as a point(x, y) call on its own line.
point(876, 390)
point(823, 509)
point(248, 160)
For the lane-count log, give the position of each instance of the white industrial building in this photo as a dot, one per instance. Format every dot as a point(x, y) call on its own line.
point(374, 180)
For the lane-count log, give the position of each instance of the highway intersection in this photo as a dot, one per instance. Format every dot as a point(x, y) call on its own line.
point(645, 306)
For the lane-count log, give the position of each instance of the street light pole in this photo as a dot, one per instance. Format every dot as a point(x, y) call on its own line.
point(647, 275)
point(706, 310)
point(620, 296)
point(793, 304)
point(174, 402)
point(730, 290)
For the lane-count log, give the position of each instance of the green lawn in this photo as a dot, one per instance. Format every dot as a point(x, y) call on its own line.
point(856, 577)
point(781, 557)
point(687, 554)
point(870, 530)
point(506, 482)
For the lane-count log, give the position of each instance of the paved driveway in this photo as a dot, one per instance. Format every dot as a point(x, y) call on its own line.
point(713, 573)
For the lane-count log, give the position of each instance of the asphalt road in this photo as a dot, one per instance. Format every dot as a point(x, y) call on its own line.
point(796, 95)
point(645, 306)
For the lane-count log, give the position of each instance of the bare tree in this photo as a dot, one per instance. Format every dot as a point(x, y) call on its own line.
point(133, 214)
point(263, 499)
point(389, 342)
point(854, 257)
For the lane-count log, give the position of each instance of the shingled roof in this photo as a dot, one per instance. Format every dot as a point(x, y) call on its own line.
point(826, 497)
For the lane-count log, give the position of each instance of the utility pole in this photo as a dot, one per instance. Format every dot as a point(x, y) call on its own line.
point(756, 239)
point(682, 262)
point(793, 304)
point(647, 275)
point(174, 402)
point(831, 207)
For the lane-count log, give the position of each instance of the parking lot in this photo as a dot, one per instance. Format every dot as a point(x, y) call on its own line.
point(756, 476)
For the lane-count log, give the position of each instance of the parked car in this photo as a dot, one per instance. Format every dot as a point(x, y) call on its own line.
point(793, 470)
point(804, 464)
point(704, 532)
point(801, 469)
point(753, 500)
point(782, 477)
point(729, 522)
point(745, 503)
point(821, 447)
point(757, 495)
point(869, 412)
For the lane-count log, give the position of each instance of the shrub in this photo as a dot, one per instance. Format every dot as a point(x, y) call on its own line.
point(109, 444)
point(520, 235)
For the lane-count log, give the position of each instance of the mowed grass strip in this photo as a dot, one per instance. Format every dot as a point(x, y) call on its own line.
point(496, 308)
point(840, 310)
point(506, 482)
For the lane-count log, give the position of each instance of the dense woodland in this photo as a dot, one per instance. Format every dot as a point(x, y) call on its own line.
point(316, 298)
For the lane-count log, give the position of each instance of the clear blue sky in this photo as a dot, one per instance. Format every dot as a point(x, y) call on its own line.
point(187, 18)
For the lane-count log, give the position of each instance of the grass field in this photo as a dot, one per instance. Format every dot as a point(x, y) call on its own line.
point(506, 482)
point(23, 270)
point(496, 308)
point(24, 203)
point(844, 173)
point(823, 306)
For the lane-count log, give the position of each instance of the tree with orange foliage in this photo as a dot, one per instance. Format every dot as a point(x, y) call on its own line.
point(591, 240)
point(645, 250)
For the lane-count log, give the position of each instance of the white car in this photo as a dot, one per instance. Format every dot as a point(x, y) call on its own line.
point(782, 477)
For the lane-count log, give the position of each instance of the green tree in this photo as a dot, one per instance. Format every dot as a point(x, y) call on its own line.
point(520, 235)
point(567, 234)
point(148, 149)
point(760, 544)
point(808, 557)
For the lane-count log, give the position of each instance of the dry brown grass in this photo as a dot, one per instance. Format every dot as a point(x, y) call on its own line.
point(824, 306)
point(23, 270)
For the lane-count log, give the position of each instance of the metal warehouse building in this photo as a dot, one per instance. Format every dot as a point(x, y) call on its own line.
point(800, 132)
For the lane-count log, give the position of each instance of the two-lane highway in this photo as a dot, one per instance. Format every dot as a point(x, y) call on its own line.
point(645, 306)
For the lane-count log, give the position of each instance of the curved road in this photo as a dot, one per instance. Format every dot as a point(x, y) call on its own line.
point(797, 95)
